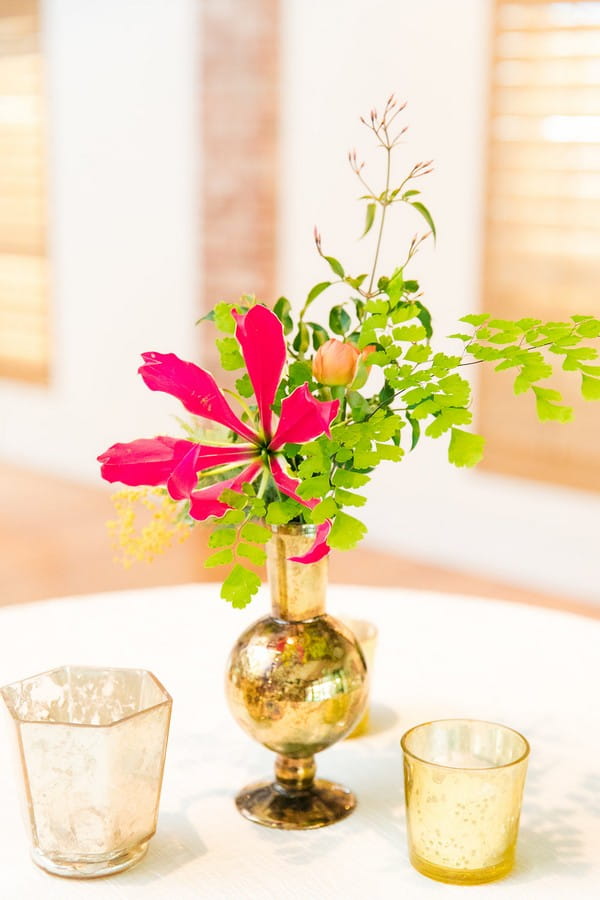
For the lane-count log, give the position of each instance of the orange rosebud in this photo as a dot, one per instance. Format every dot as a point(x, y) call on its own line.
point(335, 363)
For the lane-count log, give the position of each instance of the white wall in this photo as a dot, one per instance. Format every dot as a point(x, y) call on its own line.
point(340, 58)
point(122, 79)
point(123, 84)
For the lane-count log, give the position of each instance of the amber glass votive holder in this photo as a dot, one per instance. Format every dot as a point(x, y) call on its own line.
point(92, 745)
point(366, 635)
point(464, 783)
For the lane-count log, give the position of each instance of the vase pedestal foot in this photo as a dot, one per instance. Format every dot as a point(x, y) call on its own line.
point(268, 804)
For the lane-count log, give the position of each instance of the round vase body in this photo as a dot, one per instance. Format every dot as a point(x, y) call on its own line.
point(297, 683)
point(297, 687)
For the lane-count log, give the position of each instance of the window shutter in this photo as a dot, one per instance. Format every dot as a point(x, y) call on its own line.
point(542, 230)
point(24, 338)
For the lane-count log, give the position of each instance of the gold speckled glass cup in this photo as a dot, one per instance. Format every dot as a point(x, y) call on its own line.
point(92, 745)
point(464, 783)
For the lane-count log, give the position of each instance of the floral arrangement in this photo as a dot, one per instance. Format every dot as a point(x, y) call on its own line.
point(319, 406)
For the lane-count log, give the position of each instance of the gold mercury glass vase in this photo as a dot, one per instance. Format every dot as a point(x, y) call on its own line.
point(297, 682)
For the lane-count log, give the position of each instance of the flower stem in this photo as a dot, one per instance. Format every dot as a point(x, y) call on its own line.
point(384, 205)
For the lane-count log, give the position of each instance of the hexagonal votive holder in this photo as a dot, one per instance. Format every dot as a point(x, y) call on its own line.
point(92, 745)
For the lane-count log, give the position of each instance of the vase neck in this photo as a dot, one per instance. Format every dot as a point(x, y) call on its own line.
point(297, 590)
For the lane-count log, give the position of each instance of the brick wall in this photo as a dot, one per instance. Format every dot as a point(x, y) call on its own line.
point(240, 99)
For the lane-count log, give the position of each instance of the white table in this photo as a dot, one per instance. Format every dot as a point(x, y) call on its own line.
point(438, 656)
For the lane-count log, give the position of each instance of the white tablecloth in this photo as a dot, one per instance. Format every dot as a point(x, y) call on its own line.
point(438, 656)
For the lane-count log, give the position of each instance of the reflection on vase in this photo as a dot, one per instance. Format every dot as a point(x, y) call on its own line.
point(297, 683)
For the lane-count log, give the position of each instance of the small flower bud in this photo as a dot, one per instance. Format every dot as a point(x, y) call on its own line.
point(335, 363)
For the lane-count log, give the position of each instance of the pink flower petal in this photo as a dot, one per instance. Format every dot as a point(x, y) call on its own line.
point(260, 335)
point(205, 502)
point(148, 461)
point(200, 457)
point(195, 387)
point(319, 549)
point(303, 418)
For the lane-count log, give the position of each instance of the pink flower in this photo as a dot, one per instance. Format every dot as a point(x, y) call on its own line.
point(176, 463)
point(335, 363)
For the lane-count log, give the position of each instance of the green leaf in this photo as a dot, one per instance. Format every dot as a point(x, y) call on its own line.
point(441, 361)
point(418, 353)
point(379, 307)
point(424, 409)
point(485, 353)
point(526, 324)
point(326, 509)
point(313, 465)
point(424, 317)
point(344, 455)
point(240, 586)
point(233, 498)
point(590, 387)
point(548, 410)
point(417, 394)
point(365, 459)
point(302, 339)
point(280, 512)
point(466, 448)
point(347, 498)
point(504, 337)
point(589, 329)
point(426, 215)
point(233, 517)
point(223, 318)
point(346, 532)
point(255, 533)
point(391, 452)
point(370, 218)
point(258, 507)
point(475, 319)
point(316, 290)
point(283, 311)
point(314, 488)
point(415, 431)
point(395, 286)
point(404, 312)
point(255, 554)
point(221, 558)
point(299, 372)
point(335, 265)
point(339, 320)
point(319, 335)
point(359, 405)
point(462, 337)
point(222, 537)
point(229, 351)
point(345, 478)
point(447, 418)
point(409, 333)
point(457, 390)
point(243, 386)
point(355, 282)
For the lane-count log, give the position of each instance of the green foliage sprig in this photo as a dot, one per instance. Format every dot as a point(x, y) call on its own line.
point(414, 391)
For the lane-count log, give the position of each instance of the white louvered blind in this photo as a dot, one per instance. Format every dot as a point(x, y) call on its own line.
point(542, 234)
point(24, 345)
